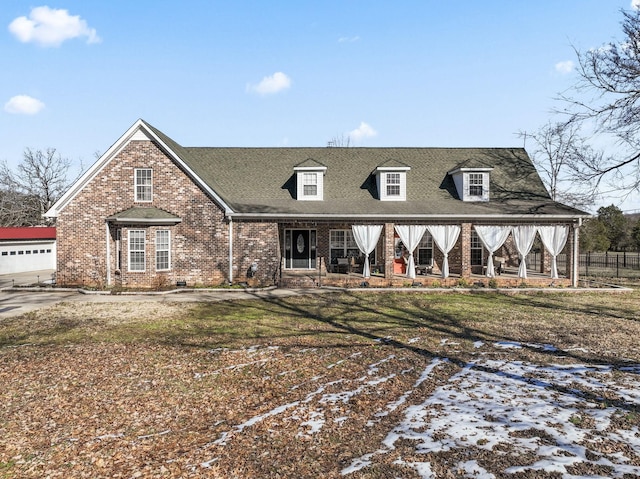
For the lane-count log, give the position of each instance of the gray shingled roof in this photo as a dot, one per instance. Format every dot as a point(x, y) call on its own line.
point(261, 181)
point(147, 215)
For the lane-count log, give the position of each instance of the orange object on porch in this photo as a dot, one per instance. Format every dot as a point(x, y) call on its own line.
point(399, 266)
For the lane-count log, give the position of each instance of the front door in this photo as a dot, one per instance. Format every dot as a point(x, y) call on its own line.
point(300, 249)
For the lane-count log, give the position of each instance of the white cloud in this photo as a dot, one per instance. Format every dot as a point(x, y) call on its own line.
point(271, 84)
point(363, 131)
point(49, 27)
point(353, 39)
point(635, 4)
point(565, 67)
point(23, 105)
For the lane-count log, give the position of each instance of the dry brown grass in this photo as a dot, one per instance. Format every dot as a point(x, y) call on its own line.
point(149, 390)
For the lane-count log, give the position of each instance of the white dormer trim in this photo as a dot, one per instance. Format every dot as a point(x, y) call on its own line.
point(313, 178)
point(472, 184)
point(392, 183)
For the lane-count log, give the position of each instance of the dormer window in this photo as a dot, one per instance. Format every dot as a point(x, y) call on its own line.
point(310, 184)
point(310, 180)
point(393, 184)
point(476, 181)
point(391, 179)
point(472, 184)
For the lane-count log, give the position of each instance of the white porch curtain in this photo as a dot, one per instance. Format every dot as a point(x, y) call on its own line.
point(554, 238)
point(410, 235)
point(492, 237)
point(366, 237)
point(445, 237)
point(523, 237)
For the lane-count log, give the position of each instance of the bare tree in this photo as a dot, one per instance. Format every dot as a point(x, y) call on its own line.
point(340, 141)
point(38, 181)
point(607, 95)
point(558, 153)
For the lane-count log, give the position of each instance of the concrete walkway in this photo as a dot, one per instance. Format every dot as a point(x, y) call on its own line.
point(15, 302)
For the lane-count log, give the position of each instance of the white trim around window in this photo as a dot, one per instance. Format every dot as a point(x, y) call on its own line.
point(163, 250)
point(137, 251)
point(392, 185)
point(143, 185)
point(310, 184)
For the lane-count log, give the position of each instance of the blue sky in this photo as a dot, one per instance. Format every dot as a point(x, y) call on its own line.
point(77, 74)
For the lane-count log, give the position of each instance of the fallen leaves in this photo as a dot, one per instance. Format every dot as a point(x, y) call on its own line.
point(289, 405)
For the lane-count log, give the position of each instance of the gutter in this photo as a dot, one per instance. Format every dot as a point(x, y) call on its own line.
point(383, 217)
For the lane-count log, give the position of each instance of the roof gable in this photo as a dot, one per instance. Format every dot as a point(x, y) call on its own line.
point(145, 215)
point(140, 130)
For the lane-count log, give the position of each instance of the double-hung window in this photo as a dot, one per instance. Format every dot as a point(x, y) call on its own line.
point(476, 184)
point(425, 250)
point(136, 250)
point(393, 184)
point(310, 184)
point(143, 184)
point(163, 255)
point(476, 250)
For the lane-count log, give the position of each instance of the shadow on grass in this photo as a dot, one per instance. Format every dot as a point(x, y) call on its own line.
point(347, 319)
point(379, 318)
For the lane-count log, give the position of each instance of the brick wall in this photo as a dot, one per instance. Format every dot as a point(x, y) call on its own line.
point(199, 244)
point(256, 242)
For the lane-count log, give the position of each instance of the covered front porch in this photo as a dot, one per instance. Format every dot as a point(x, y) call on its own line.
point(410, 255)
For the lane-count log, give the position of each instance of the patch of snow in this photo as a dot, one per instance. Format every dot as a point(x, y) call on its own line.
point(222, 440)
point(373, 368)
point(413, 340)
point(422, 468)
point(507, 345)
point(478, 344)
point(315, 423)
point(472, 469)
point(491, 403)
point(545, 347)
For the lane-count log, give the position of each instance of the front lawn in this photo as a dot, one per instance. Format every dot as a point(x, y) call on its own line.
point(335, 385)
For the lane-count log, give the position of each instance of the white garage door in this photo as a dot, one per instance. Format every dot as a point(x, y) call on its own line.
point(19, 257)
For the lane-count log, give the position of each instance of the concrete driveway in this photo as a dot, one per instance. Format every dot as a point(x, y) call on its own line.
point(13, 303)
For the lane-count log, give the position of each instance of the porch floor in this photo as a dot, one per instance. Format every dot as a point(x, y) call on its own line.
point(509, 278)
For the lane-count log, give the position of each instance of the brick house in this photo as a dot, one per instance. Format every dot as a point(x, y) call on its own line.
point(152, 213)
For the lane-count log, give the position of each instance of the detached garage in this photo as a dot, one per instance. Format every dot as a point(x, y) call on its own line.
point(27, 249)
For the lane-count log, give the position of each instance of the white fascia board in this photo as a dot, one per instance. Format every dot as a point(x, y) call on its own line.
point(473, 170)
point(88, 175)
point(104, 160)
point(309, 168)
point(163, 221)
point(393, 168)
point(227, 210)
point(391, 218)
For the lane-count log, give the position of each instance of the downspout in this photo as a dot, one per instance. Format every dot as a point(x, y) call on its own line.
point(576, 256)
point(108, 259)
point(230, 250)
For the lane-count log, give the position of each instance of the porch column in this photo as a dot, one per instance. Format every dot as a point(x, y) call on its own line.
point(389, 249)
point(573, 255)
point(108, 253)
point(465, 250)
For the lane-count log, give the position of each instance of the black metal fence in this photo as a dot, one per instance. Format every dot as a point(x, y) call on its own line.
point(607, 264)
